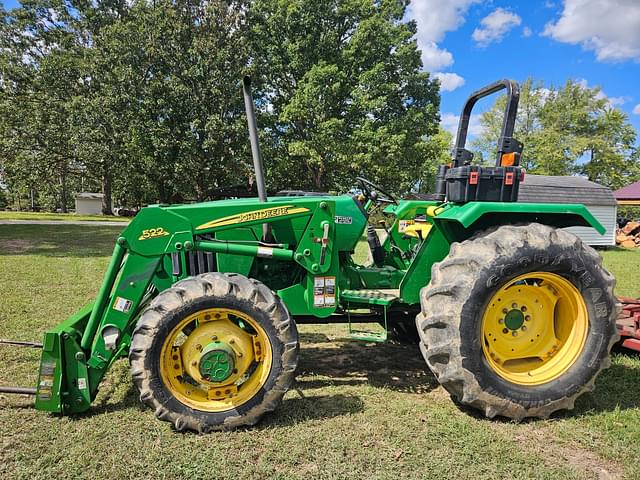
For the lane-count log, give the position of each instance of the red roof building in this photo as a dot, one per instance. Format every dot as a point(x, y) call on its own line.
point(629, 195)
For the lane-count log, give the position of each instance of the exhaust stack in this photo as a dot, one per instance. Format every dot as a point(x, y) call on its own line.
point(253, 138)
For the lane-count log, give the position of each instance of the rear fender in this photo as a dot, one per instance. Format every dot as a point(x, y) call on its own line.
point(459, 222)
point(456, 223)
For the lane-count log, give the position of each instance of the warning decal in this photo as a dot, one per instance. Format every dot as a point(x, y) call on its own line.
point(122, 304)
point(324, 292)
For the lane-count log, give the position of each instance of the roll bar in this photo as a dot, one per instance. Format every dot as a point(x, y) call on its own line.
point(506, 142)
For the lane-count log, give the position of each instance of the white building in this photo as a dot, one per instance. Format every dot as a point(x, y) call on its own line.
point(88, 203)
point(598, 199)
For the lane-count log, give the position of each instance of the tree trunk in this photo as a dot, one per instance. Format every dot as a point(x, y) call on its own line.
point(63, 192)
point(107, 207)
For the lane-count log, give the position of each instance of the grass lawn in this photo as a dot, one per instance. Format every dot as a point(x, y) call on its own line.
point(358, 410)
point(59, 217)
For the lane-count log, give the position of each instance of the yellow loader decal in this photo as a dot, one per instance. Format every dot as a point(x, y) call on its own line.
point(153, 233)
point(263, 214)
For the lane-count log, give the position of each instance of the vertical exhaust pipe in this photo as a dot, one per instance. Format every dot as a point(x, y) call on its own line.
point(255, 147)
point(253, 138)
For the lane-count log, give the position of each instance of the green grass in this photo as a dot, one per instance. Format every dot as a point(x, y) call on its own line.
point(59, 217)
point(357, 411)
point(624, 264)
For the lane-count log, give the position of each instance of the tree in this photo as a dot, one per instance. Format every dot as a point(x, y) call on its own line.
point(344, 93)
point(143, 101)
point(567, 131)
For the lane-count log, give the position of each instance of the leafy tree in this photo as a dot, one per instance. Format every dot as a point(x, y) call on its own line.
point(142, 99)
point(344, 93)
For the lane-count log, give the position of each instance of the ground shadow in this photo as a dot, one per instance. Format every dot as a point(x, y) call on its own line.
point(300, 409)
point(347, 362)
point(58, 240)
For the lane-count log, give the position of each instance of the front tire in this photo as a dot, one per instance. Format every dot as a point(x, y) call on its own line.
point(213, 352)
point(518, 322)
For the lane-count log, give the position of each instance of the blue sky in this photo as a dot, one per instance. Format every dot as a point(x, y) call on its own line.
point(470, 43)
point(474, 42)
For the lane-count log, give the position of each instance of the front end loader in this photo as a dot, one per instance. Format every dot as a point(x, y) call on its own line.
point(515, 316)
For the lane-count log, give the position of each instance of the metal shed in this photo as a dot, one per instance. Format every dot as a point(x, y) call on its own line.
point(88, 203)
point(598, 199)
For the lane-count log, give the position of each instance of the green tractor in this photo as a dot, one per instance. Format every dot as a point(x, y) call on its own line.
point(515, 316)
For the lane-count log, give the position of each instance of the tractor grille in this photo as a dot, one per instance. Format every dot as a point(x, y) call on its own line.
point(200, 262)
point(195, 262)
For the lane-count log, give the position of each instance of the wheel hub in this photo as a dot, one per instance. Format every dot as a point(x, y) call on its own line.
point(514, 319)
point(217, 362)
point(534, 328)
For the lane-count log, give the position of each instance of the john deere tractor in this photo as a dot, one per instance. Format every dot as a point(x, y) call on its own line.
point(515, 315)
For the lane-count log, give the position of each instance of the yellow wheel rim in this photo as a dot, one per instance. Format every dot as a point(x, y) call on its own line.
point(534, 328)
point(215, 359)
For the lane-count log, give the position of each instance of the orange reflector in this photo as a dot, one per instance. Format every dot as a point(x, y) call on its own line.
point(508, 159)
point(508, 178)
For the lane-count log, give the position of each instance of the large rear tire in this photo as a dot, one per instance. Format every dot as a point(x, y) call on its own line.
point(519, 321)
point(215, 351)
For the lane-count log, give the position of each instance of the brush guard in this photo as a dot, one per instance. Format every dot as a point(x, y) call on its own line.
point(19, 390)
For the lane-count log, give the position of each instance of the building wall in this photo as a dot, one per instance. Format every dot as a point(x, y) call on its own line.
point(606, 215)
point(88, 206)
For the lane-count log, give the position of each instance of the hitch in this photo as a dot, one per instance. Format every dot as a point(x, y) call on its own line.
point(19, 390)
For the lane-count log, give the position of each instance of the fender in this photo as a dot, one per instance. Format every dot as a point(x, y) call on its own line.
point(459, 222)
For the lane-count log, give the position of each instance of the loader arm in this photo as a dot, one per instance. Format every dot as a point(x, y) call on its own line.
point(163, 245)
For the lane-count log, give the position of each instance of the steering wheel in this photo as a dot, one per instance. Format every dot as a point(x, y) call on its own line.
point(373, 191)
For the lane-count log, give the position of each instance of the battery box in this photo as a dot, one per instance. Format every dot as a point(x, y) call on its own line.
point(485, 184)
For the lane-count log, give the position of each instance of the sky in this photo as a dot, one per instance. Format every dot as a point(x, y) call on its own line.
point(470, 43)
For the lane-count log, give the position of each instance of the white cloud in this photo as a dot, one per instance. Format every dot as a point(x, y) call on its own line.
point(449, 81)
point(434, 18)
point(611, 28)
point(434, 57)
point(611, 101)
point(449, 121)
point(495, 26)
point(526, 32)
point(636, 109)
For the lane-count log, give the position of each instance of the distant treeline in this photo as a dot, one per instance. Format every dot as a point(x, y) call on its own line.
point(142, 100)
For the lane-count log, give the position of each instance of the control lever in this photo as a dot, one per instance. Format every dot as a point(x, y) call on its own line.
point(324, 241)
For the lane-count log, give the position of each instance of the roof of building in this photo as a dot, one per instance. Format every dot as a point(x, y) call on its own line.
point(630, 192)
point(89, 196)
point(553, 189)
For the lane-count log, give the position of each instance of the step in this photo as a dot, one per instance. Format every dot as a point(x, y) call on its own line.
point(380, 296)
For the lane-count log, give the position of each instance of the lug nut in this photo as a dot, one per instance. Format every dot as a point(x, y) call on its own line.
point(194, 363)
point(514, 305)
point(514, 333)
point(523, 308)
point(504, 310)
point(501, 321)
point(524, 328)
point(199, 347)
point(527, 318)
point(505, 330)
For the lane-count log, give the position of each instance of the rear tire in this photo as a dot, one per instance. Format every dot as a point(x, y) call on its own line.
point(184, 396)
point(457, 334)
